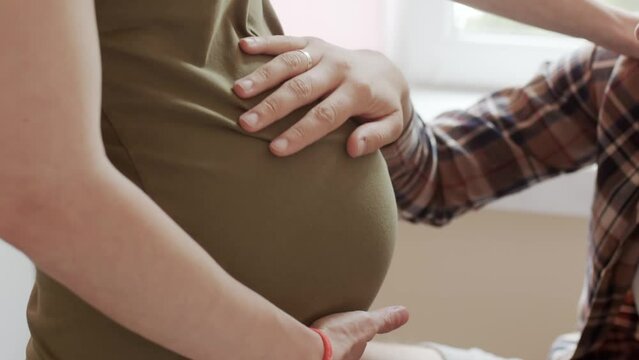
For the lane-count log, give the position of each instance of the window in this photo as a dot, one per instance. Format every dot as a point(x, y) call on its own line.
point(436, 39)
point(469, 20)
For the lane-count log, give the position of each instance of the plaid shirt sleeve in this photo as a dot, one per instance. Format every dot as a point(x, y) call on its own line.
point(512, 139)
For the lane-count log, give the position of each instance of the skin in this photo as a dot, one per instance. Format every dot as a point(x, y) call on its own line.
point(366, 86)
point(84, 224)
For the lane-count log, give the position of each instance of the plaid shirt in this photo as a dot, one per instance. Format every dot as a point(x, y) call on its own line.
point(580, 111)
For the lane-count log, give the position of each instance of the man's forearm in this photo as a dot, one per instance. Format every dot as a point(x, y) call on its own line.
point(462, 160)
point(589, 19)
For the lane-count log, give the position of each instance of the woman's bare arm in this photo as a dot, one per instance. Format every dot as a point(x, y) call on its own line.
point(588, 19)
point(80, 221)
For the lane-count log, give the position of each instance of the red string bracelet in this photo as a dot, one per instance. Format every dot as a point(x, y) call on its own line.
point(328, 347)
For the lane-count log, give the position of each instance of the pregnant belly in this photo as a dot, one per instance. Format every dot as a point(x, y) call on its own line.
point(313, 233)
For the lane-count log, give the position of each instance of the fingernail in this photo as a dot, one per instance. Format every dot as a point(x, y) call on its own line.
point(361, 147)
point(250, 41)
point(246, 84)
point(280, 145)
point(251, 119)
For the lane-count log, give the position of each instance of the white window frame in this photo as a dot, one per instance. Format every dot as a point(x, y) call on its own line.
point(423, 40)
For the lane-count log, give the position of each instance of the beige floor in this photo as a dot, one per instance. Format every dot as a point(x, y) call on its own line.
point(506, 282)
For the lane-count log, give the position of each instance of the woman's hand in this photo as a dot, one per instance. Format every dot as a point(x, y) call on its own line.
point(351, 332)
point(358, 84)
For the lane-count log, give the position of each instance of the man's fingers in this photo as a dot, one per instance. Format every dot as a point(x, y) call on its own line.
point(320, 121)
point(372, 136)
point(273, 73)
point(272, 45)
point(295, 93)
point(389, 319)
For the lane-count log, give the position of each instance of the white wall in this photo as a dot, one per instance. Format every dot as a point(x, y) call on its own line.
point(352, 23)
point(16, 278)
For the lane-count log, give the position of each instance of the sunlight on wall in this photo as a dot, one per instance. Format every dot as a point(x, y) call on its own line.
point(352, 24)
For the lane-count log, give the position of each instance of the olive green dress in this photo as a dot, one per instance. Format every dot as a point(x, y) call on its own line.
point(313, 233)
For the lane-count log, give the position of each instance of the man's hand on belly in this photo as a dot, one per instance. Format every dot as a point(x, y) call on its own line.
point(353, 84)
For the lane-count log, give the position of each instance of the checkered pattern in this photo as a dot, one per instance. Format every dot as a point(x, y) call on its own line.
point(580, 111)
